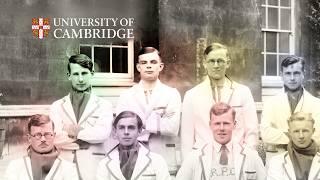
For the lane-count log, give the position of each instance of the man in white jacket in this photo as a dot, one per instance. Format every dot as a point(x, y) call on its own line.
point(82, 119)
point(294, 98)
point(42, 161)
point(217, 87)
point(130, 159)
point(301, 161)
point(222, 158)
point(158, 105)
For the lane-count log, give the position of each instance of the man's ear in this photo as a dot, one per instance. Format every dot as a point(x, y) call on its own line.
point(138, 67)
point(29, 138)
point(113, 132)
point(161, 66)
point(69, 76)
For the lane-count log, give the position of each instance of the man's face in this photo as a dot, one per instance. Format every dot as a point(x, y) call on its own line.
point(41, 138)
point(222, 127)
point(301, 133)
point(217, 63)
point(80, 77)
point(149, 66)
point(292, 76)
point(127, 131)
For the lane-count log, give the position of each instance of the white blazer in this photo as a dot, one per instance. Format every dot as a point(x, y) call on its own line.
point(280, 168)
point(149, 166)
point(164, 100)
point(197, 165)
point(195, 130)
point(276, 112)
point(20, 169)
point(96, 119)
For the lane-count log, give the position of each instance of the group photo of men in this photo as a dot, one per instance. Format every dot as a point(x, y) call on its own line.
point(202, 90)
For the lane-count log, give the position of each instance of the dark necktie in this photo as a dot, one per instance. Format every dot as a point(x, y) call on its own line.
point(224, 155)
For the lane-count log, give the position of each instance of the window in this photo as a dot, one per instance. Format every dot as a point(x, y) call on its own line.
point(278, 35)
point(113, 63)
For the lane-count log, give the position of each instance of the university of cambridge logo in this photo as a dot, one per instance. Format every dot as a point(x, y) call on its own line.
point(40, 27)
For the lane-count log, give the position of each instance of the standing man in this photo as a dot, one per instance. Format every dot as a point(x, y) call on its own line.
point(217, 87)
point(301, 161)
point(157, 104)
point(130, 159)
point(82, 119)
point(222, 158)
point(294, 98)
point(43, 161)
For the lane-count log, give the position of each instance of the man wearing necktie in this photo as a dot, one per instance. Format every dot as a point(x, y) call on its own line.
point(83, 121)
point(217, 87)
point(293, 98)
point(131, 159)
point(222, 158)
point(158, 105)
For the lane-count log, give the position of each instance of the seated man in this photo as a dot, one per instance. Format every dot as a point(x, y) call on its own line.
point(130, 159)
point(223, 158)
point(42, 161)
point(301, 160)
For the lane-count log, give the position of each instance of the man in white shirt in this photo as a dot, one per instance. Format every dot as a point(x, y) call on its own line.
point(42, 161)
point(157, 104)
point(294, 98)
point(130, 159)
point(301, 161)
point(222, 158)
point(83, 120)
point(217, 87)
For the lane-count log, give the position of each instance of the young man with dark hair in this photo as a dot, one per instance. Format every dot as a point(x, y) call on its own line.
point(43, 161)
point(82, 119)
point(222, 158)
point(301, 161)
point(157, 104)
point(294, 98)
point(217, 87)
point(130, 159)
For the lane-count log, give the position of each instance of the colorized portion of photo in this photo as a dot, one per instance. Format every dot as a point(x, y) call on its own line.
point(161, 89)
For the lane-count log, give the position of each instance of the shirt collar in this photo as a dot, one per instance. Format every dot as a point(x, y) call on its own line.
point(217, 146)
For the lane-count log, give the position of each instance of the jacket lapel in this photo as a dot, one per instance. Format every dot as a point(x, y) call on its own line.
point(288, 167)
point(227, 91)
point(68, 109)
point(54, 169)
point(315, 167)
point(284, 104)
point(299, 106)
point(27, 164)
point(113, 165)
point(91, 106)
point(239, 159)
point(143, 161)
point(206, 160)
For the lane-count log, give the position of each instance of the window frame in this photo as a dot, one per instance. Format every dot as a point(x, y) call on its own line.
point(267, 79)
point(110, 78)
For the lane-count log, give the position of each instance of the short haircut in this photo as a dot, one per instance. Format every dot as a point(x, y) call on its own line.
point(292, 60)
point(81, 59)
point(39, 120)
point(301, 116)
point(146, 50)
point(128, 114)
point(222, 108)
point(216, 46)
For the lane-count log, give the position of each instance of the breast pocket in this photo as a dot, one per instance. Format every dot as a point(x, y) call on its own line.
point(148, 177)
point(91, 121)
point(250, 175)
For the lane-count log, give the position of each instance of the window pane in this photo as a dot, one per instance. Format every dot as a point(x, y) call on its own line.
point(263, 2)
point(285, 3)
point(86, 50)
point(271, 65)
point(263, 16)
point(101, 59)
point(284, 42)
point(120, 60)
point(273, 18)
point(271, 42)
point(285, 19)
point(273, 2)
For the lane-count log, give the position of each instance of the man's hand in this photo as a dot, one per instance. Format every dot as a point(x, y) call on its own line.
point(72, 130)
